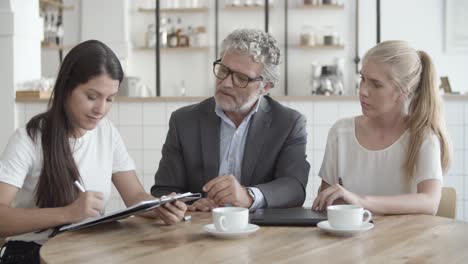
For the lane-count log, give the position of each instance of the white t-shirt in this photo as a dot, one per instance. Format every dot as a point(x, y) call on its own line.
point(379, 172)
point(98, 154)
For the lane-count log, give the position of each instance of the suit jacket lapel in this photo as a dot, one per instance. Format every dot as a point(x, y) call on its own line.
point(209, 128)
point(255, 139)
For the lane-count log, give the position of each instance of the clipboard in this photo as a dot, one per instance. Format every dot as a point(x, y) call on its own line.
point(140, 207)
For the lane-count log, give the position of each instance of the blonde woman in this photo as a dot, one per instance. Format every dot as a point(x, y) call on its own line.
point(390, 160)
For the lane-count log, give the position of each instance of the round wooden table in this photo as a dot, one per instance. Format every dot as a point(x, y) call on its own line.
point(394, 239)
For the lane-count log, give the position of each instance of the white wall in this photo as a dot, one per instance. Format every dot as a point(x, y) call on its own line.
point(106, 20)
point(422, 23)
point(20, 33)
point(6, 72)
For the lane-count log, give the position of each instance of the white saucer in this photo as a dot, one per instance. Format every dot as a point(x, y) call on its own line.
point(324, 225)
point(210, 228)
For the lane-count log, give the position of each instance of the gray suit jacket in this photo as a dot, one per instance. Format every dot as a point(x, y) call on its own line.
point(274, 156)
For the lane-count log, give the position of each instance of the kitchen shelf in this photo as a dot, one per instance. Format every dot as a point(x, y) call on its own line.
point(174, 49)
point(55, 4)
point(175, 10)
point(55, 46)
point(37, 97)
point(321, 7)
point(246, 8)
point(320, 47)
point(32, 95)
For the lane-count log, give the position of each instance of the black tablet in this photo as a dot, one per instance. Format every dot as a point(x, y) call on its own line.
point(287, 217)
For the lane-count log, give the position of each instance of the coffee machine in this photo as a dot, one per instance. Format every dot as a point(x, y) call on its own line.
point(327, 79)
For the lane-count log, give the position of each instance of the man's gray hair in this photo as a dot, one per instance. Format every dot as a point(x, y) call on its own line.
point(262, 46)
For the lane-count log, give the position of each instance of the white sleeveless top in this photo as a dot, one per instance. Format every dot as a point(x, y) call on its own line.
point(379, 172)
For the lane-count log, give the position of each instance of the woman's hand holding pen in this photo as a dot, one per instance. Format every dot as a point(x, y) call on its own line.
point(88, 204)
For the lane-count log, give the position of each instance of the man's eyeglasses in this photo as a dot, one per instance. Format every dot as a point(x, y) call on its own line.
point(238, 79)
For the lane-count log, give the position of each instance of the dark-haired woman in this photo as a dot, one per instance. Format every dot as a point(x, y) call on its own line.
point(71, 141)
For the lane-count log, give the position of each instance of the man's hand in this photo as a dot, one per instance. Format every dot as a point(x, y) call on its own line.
point(204, 205)
point(227, 190)
point(171, 213)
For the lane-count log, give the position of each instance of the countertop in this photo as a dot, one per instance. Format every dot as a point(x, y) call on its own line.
point(44, 98)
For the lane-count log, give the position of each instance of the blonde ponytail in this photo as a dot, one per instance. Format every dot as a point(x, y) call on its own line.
point(414, 74)
point(425, 115)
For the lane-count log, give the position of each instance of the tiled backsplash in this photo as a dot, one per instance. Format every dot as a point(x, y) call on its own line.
point(143, 126)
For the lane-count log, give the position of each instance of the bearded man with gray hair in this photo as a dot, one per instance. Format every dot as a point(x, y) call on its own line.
point(241, 147)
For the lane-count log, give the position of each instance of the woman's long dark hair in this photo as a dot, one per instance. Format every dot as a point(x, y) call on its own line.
point(85, 61)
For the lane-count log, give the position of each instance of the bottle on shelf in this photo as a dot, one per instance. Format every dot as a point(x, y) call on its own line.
point(189, 33)
point(45, 28)
point(182, 37)
point(52, 30)
point(183, 89)
point(59, 33)
point(184, 40)
point(150, 36)
point(172, 39)
point(163, 33)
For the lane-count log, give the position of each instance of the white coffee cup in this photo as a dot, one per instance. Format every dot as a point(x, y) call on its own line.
point(347, 216)
point(230, 219)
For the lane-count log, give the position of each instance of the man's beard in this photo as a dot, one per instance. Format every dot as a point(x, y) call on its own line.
point(242, 106)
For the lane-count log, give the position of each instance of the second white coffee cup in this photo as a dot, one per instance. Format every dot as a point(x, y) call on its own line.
point(347, 216)
point(230, 219)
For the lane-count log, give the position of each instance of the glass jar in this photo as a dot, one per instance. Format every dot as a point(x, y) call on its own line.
point(199, 37)
point(329, 36)
point(307, 37)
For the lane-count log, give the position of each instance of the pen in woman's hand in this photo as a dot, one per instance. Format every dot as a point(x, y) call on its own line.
point(78, 185)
